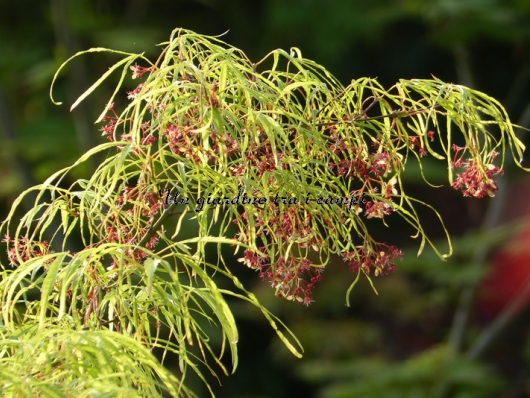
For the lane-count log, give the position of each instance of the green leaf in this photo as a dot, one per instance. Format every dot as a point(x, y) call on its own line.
point(48, 285)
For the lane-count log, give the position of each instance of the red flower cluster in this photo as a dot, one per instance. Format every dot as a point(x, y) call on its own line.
point(121, 232)
point(477, 179)
point(108, 129)
point(378, 209)
point(225, 143)
point(380, 258)
point(138, 70)
point(358, 163)
point(182, 141)
point(293, 277)
point(286, 275)
point(25, 249)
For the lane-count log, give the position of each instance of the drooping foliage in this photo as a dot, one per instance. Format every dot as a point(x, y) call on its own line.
point(275, 159)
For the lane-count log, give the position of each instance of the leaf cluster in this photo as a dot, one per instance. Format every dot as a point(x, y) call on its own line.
point(208, 123)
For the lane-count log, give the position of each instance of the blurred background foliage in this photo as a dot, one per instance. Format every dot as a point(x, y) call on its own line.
point(442, 329)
